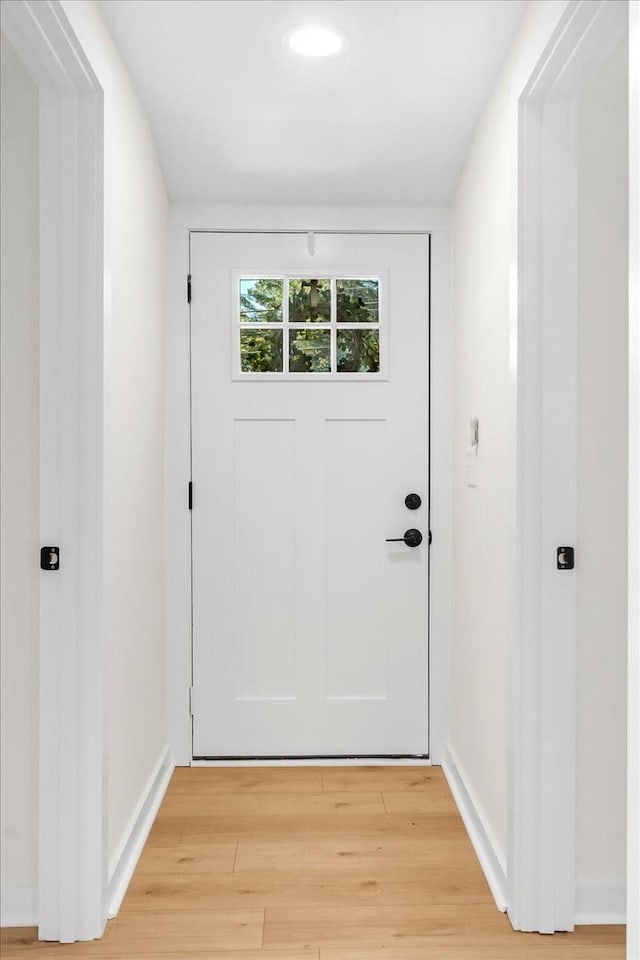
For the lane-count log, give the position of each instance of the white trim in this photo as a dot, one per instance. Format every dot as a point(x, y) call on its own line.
point(440, 521)
point(490, 856)
point(633, 661)
point(244, 218)
point(601, 904)
point(124, 860)
point(559, 511)
point(72, 779)
point(18, 907)
point(333, 762)
point(285, 218)
point(332, 326)
point(572, 43)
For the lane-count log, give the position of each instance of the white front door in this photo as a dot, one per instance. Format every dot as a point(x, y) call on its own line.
point(310, 426)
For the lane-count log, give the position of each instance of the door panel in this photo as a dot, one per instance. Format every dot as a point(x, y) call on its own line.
point(310, 630)
point(265, 578)
point(356, 604)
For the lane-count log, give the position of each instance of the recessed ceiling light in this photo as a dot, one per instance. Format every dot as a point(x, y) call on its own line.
point(311, 40)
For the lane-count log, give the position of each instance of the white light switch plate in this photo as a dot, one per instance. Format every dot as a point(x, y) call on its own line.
point(471, 467)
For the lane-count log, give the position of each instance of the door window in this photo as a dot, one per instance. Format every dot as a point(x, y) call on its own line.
point(302, 327)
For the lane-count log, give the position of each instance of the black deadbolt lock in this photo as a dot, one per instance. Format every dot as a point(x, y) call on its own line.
point(50, 558)
point(412, 501)
point(566, 560)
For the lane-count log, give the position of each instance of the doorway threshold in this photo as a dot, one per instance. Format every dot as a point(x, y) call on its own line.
point(345, 760)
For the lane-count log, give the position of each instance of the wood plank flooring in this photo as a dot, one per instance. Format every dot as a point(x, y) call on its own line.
point(310, 863)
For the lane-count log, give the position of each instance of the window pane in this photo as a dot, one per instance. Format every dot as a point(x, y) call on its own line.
point(357, 301)
point(309, 301)
point(261, 301)
point(358, 351)
point(310, 351)
point(261, 351)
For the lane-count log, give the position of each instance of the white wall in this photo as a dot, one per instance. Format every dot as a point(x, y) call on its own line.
point(480, 230)
point(136, 211)
point(602, 480)
point(19, 482)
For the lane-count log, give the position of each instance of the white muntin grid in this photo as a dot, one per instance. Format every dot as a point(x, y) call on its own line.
point(285, 327)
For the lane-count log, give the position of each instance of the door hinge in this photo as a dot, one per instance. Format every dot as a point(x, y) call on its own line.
point(191, 701)
point(190, 495)
point(188, 288)
point(430, 538)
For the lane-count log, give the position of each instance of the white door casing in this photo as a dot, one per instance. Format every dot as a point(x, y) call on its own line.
point(633, 666)
point(310, 632)
point(72, 869)
point(571, 43)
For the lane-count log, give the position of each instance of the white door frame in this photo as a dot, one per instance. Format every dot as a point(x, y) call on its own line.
point(543, 467)
point(72, 872)
point(633, 661)
point(292, 219)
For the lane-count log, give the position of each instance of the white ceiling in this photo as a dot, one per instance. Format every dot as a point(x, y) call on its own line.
point(236, 118)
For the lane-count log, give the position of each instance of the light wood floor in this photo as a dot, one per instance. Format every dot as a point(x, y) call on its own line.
point(312, 863)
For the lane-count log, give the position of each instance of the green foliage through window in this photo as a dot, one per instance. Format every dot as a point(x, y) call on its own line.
point(358, 351)
point(310, 351)
point(309, 301)
point(261, 300)
point(357, 301)
point(261, 351)
point(352, 313)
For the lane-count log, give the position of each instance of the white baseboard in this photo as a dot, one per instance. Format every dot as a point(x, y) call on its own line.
point(601, 904)
point(125, 858)
point(19, 907)
point(491, 860)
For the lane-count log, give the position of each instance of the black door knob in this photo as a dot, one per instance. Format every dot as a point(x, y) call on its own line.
point(413, 501)
point(412, 538)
